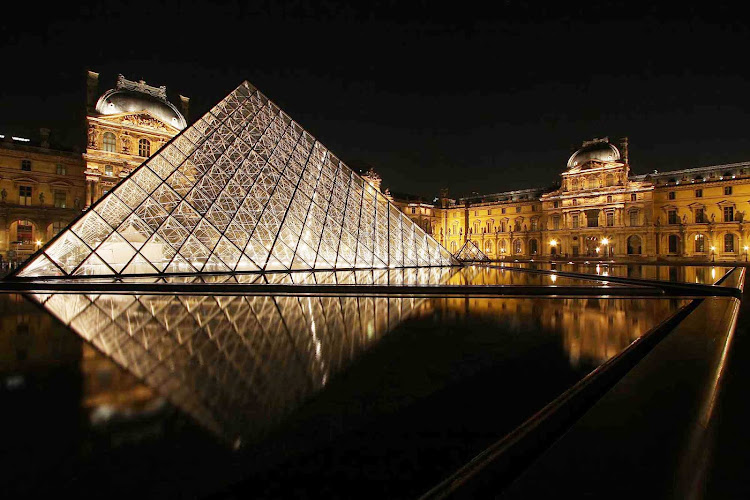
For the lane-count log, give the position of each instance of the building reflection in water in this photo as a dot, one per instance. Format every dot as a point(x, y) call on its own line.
point(240, 364)
point(591, 330)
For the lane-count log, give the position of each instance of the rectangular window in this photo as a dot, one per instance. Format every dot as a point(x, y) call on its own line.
point(24, 195)
point(699, 193)
point(672, 217)
point(534, 225)
point(556, 204)
point(61, 169)
point(413, 210)
point(699, 216)
point(671, 195)
point(729, 213)
point(728, 190)
point(26, 165)
point(574, 221)
point(592, 218)
point(610, 219)
point(60, 199)
point(634, 218)
point(556, 223)
point(533, 208)
point(633, 197)
point(489, 212)
point(109, 171)
point(609, 199)
point(518, 210)
point(502, 210)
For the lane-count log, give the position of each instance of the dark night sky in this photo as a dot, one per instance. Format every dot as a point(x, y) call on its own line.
point(464, 97)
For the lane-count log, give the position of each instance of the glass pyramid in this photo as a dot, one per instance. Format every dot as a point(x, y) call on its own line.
point(245, 188)
point(469, 252)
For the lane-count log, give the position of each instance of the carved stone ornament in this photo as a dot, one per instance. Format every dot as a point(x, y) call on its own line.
point(144, 121)
point(125, 141)
point(92, 136)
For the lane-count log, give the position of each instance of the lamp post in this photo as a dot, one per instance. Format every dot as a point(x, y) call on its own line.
point(713, 254)
point(553, 246)
point(746, 249)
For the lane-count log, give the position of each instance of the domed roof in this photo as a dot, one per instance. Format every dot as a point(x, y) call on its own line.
point(131, 97)
point(598, 149)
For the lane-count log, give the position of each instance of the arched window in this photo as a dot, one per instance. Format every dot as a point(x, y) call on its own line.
point(144, 147)
point(108, 142)
point(729, 243)
point(700, 243)
point(502, 246)
point(453, 247)
point(533, 247)
point(610, 180)
point(25, 231)
point(592, 183)
point(674, 243)
point(574, 185)
point(488, 247)
point(517, 247)
point(634, 245)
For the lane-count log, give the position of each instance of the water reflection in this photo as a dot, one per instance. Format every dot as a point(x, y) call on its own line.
point(260, 357)
point(217, 357)
point(591, 330)
point(704, 275)
point(484, 275)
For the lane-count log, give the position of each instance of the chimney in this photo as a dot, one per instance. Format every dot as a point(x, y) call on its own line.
point(185, 104)
point(44, 134)
point(92, 89)
point(624, 148)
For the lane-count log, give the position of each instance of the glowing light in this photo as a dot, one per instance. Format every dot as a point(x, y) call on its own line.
point(553, 243)
point(605, 241)
point(39, 243)
point(598, 249)
point(553, 278)
point(21, 139)
point(713, 249)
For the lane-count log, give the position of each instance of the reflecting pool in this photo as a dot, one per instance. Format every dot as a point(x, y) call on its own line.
point(704, 275)
point(287, 395)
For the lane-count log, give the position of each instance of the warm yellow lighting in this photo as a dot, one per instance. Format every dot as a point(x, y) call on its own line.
point(553, 243)
point(553, 278)
point(746, 248)
point(39, 243)
point(598, 249)
point(605, 241)
point(713, 249)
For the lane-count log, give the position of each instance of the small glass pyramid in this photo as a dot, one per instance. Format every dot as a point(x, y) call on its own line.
point(469, 252)
point(245, 188)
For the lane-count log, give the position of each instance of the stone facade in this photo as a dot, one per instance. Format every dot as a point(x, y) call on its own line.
point(41, 191)
point(600, 210)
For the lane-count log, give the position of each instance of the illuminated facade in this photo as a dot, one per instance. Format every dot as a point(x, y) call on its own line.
point(245, 188)
point(126, 125)
point(41, 191)
point(601, 210)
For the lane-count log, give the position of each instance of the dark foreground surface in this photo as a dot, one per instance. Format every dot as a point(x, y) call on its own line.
point(308, 396)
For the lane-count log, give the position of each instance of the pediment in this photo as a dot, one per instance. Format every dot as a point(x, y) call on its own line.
point(27, 180)
point(140, 119)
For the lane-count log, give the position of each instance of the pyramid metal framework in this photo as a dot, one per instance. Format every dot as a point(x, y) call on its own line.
point(469, 252)
point(245, 188)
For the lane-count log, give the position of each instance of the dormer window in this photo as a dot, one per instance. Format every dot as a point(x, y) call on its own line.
point(108, 171)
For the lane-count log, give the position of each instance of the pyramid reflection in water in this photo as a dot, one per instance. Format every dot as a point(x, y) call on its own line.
point(237, 364)
point(244, 188)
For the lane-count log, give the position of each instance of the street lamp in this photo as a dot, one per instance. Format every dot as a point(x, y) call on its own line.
point(713, 254)
point(746, 248)
point(553, 246)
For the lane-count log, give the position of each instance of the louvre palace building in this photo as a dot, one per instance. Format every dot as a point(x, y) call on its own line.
point(600, 209)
